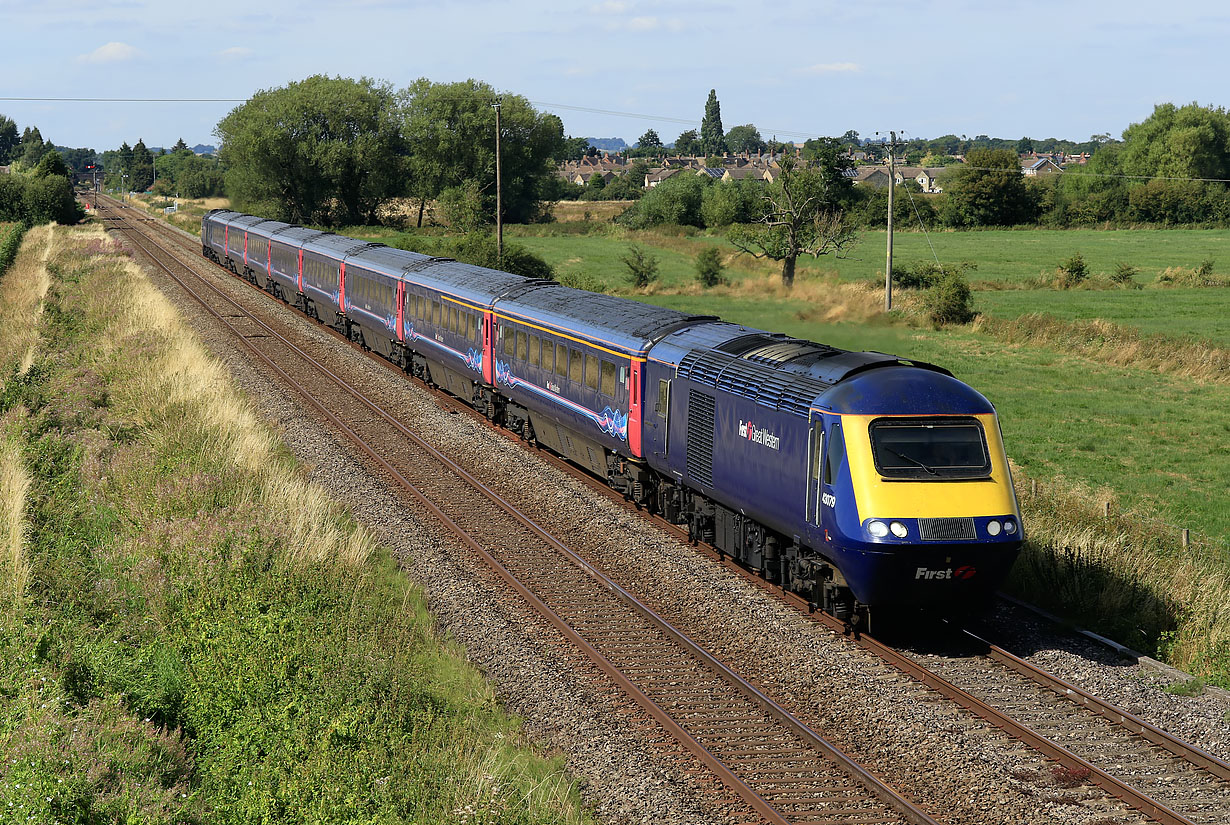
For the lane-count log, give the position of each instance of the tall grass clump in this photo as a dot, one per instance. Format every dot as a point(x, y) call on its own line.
point(1127, 579)
point(206, 635)
point(1115, 344)
point(14, 486)
point(10, 244)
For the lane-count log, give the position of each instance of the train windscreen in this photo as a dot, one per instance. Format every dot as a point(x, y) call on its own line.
point(939, 449)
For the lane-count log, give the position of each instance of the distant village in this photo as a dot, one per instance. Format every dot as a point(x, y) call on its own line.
point(865, 170)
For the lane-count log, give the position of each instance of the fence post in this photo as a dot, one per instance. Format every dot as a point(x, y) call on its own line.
point(1187, 537)
point(1106, 509)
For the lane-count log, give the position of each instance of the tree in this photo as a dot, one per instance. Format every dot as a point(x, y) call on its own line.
point(988, 190)
point(712, 138)
point(32, 147)
point(450, 132)
point(9, 140)
point(801, 216)
point(850, 138)
point(141, 172)
point(322, 150)
point(180, 146)
point(709, 267)
point(649, 140)
point(1189, 141)
point(642, 266)
point(574, 148)
point(1024, 146)
point(688, 144)
point(51, 164)
point(744, 138)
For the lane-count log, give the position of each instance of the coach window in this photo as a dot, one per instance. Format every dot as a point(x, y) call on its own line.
point(576, 366)
point(608, 379)
point(523, 346)
point(510, 341)
point(535, 350)
point(591, 371)
point(561, 360)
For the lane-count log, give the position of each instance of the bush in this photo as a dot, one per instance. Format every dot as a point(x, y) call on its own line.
point(709, 267)
point(949, 300)
point(481, 249)
point(1124, 273)
point(10, 245)
point(642, 266)
point(462, 208)
point(676, 200)
point(1072, 271)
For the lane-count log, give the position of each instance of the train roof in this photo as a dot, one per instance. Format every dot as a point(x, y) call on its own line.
point(475, 284)
point(625, 324)
point(333, 246)
point(386, 260)
point(773, 369)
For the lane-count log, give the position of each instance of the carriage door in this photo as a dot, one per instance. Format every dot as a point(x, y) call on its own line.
point(815, 463)
point(489, 347)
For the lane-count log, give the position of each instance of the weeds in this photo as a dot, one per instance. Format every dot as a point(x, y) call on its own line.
point(1186, 687)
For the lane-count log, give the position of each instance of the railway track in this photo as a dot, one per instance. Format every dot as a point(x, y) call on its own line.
point(727, 717)
point(778, 769)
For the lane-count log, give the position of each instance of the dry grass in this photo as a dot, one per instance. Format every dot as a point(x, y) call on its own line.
point(568, 211)
point(14, 486)
point(181, 387)
point(21, 298)
point(1115, 344)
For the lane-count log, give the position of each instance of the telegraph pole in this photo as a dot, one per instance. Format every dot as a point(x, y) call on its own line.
point(499, 217)
point(892, 184)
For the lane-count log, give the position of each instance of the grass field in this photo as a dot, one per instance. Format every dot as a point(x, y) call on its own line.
point(1015, 255)
point(1198, 314)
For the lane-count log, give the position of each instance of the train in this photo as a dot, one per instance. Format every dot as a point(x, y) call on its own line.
point(859, 480)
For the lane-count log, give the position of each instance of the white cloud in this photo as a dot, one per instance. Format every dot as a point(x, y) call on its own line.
point(610, 7)
point(829, 68)
point(235, 53)
point(643, 24)
point(112, 52)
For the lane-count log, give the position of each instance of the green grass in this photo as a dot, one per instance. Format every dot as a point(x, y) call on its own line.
point(178, 656)
point(1196, 314)
point(1016, 255)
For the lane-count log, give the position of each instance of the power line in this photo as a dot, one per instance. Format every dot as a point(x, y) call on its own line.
point(125, 99)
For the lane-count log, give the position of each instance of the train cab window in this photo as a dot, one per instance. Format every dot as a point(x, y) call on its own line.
point(576, 366)
point(591, 371)
point(608, 379)
point(930, 449)
point(835, 454)
point(561, 360)
point(523, 346)
point(535, 350)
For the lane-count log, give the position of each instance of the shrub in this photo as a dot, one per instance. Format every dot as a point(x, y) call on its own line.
point(480, 249)
point(949, 300)
point(642, 266)
point(10, 245)
point(1124, 273)
point(1072, 271)
point(709, 267)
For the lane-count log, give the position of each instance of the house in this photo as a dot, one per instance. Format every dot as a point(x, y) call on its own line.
point(736, 173)
point(583, 176)
point(874, 176)
point(1032, 167)
point(656, 176)
point(926, 177)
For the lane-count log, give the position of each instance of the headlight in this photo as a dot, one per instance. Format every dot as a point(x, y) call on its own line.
point(877, 528)
point(898, 529)
point(993, 527)
point(1009, 526)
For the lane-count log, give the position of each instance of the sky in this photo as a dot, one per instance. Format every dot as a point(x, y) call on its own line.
point(615, 68)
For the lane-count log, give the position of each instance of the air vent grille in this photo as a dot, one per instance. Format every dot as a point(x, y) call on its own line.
point(946, 529)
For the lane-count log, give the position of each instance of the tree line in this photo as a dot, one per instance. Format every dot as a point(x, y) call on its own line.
point(335, 151)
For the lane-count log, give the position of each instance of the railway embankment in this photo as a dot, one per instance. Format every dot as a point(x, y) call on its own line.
point(191, 630)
